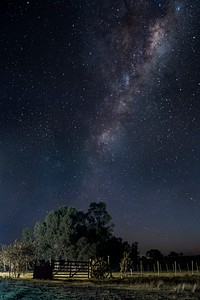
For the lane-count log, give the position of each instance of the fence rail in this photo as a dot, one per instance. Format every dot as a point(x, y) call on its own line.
point(69, 269)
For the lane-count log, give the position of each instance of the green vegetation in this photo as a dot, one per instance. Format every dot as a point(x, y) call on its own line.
point(69, 234)
point(18, 257)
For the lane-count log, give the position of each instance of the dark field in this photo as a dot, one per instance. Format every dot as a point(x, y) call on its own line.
point(151, 289)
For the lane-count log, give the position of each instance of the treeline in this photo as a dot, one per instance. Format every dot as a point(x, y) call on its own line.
point(69, 234)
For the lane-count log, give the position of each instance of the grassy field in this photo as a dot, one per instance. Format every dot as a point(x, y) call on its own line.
point(148, 286)
point(31, 290)
point(135, 280)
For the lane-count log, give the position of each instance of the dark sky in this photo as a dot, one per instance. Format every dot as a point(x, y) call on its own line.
point(99, 101)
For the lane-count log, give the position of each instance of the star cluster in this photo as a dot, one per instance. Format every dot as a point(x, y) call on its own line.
point(100, 102)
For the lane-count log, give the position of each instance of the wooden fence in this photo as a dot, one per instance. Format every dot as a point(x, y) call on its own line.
point(63, 269)
point(71, 269)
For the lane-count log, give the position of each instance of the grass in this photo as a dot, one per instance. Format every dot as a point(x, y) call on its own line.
point(137, 280)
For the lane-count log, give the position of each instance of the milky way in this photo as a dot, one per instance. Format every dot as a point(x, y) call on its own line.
point(132, 50)
point(138, 42)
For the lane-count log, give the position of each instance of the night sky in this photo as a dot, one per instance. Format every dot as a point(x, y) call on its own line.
point(99, 101)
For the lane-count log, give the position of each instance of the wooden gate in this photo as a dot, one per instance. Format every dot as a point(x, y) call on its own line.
point(71, 269)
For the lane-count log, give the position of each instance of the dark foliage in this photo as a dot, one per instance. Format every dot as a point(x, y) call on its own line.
point(70, 234)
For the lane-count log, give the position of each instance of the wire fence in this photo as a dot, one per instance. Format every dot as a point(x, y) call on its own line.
point(173, 267)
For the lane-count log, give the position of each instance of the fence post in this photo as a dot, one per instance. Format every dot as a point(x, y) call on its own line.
point(158, 268)
point(175, 269)
point(141, 267)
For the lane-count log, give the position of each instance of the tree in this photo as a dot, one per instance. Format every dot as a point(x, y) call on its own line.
point(55, 236)
point(84, 250)
point(173, 254)
point(115, 249)
point(27, 235)
point(99, 226)
point(154, 254)
point(18, 256)
point(70, 234)
point(125, 263)
point(41, 243)
point(134, 255)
